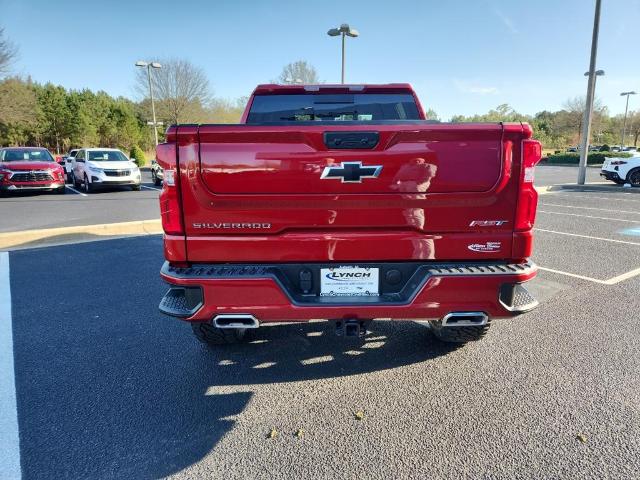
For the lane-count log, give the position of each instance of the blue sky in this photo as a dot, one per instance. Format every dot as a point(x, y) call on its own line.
point(461, 56)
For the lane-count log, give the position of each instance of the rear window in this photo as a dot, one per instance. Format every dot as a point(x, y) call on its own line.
point(25, 154)
point(361, 107)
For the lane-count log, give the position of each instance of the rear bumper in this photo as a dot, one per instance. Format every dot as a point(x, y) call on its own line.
point(271, 293)
point(609, 175)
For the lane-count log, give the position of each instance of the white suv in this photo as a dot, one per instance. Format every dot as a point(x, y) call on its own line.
point(622, 170)
point(93, 168)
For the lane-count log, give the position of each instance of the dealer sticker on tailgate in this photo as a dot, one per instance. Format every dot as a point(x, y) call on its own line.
point(349, 282)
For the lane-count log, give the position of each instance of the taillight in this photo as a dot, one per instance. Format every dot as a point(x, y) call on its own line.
point(618, 162)
point(170, 205)
point(170, 208)
point(527, 196)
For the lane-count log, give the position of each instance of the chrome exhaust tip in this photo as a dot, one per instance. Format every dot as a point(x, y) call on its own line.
point(235, 320)
point(465, 319)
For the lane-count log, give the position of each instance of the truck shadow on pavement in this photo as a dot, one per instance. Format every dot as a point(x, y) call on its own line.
point(108, 388)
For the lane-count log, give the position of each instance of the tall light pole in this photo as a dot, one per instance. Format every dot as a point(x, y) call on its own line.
point(149, 66)
point(343, 30)
point(599, 73)
point(591, 87)
point(626, 110)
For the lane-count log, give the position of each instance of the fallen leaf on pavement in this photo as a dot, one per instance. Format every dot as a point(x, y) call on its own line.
point(582, 438)
point(273, 433)
point(300, 433)
point(359, 415)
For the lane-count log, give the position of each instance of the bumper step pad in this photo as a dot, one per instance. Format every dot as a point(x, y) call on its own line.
point(516, 298)
point(181, 301)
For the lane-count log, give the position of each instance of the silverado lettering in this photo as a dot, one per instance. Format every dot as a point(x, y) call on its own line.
point(443, 233)
point(232, 225)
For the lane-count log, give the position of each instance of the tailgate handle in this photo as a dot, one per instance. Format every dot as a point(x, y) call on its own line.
point(351, 140)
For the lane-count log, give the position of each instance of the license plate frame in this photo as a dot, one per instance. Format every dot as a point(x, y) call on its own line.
point(350, 281)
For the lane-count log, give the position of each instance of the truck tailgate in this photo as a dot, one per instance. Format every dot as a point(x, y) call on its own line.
point(416, 191)
point(290, 160)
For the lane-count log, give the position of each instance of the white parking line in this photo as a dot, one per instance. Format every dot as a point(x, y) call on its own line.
point(586, 236)
point(636, 212)
point(611, 281)
point(9, 434)
point(617, 199)
point(590, 216)
point(623, 277)
point(574, 275)
point(151, 188)
point(76, 191)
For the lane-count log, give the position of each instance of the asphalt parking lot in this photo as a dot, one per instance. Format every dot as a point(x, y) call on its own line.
point(27, 211)
point(106, 387)
point(558, 174)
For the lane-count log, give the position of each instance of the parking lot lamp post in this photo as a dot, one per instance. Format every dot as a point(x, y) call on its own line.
point(343, 30)
point(586, 124)
point(149, 66)
point(626, 110)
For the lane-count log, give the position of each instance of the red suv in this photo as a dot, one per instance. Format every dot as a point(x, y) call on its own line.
point(29, 168)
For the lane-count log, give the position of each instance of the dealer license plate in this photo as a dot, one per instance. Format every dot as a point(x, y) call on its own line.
point(349, 282)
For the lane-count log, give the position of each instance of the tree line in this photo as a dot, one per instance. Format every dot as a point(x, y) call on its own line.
point(563, 128)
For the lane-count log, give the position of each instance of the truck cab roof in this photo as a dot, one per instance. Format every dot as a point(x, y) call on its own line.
point(279, 89)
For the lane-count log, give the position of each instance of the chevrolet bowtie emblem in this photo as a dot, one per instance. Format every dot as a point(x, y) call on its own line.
point(351, 172)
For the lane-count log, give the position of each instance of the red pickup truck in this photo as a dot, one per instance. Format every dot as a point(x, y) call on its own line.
point(343, 202)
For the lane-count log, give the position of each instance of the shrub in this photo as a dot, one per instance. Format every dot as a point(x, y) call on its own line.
point(137, 155)
point(594, 158)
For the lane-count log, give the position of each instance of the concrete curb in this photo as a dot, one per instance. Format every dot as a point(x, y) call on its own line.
point(43, 236)
point(543, 190)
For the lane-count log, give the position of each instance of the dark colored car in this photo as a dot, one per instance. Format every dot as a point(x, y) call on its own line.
point(30, 168)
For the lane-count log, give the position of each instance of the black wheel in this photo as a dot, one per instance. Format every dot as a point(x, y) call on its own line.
point(74, 181)
point(70, 177)
point(86, 186)
point(61, 191)
point(458, 334)
point(135, 188)
point(207, 333)
point(634, 177)
point(156, 181)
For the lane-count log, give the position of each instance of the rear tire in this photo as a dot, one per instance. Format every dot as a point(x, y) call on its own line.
point(61, 191)
point(458, 334)
point(135, 188)
point(634, 177)
point(207, 333)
